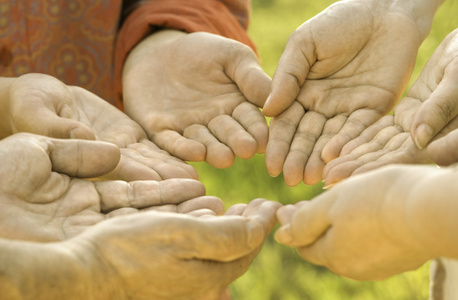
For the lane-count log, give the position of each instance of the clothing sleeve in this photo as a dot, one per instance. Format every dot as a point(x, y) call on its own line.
point(227, 18)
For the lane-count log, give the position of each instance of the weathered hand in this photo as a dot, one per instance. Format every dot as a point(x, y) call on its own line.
point(340, 72)
point(372, 226)
point(438, 92)
point(172, 256)
point(198, 96)
point(432, 100)
point(43, 105)
point(42, 201)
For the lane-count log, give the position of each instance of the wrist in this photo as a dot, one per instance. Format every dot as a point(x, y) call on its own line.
point(420, 11)
point(149, 46)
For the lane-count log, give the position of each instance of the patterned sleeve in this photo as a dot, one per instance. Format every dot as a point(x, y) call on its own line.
point(228, 18)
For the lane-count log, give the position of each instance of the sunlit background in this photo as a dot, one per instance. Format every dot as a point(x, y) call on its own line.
point(278, 272)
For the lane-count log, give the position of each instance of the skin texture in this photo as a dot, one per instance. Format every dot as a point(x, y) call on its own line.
point(147, 256)
point(41, 104)
point(43, 197)
point(340, 72)
point(370, 227)
point(198, 96)
point(398, 139)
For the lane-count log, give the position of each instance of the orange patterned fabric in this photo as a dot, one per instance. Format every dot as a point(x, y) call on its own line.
point(72, 40)
point(75, 40)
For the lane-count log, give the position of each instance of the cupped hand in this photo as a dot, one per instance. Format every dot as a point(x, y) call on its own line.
point(41, 104)
point(198, 96)
point(340, 72)
point(171, 256)
point(43, 200)
point(362, 227)
point(433, 100)
point(438, 92)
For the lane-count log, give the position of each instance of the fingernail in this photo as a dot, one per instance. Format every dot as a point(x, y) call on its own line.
point(327, 187)
point(423, 134)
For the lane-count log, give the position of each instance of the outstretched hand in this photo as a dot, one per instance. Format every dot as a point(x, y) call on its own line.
point(43, 105)
point(43, 200)
point(340, 72)
point(171, 256)
point(432, 100)
point(373, 226)
point(198, 96)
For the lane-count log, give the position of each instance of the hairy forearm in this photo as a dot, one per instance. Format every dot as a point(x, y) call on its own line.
point(47, 271)
point(5, 127)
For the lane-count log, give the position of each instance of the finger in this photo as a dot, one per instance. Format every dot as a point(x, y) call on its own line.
point(131, 170)
point(230, 238)
point(251, 118)
point(217, 154)
point(161, 161)
point(444, 151)
point(251, 79)
point(231, 133)
point(236, 210)
point(366, 159)
point(282, 130)
point(356, 123)
point(313, 172)
point(45, 122)
point(81, 158)
point(308, 223)
point(368, 134)
point(316, 253)
point(437, 111)
point(285, 213)
point(292, 70)
point(179, 146)
point(381, 139)
point(205, 202)
point(308, 132)
point(142, 194)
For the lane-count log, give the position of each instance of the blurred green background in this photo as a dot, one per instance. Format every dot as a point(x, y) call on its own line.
point(278, 272)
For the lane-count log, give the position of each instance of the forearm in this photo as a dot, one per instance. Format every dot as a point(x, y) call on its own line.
point(5, 126)
point(47, 271)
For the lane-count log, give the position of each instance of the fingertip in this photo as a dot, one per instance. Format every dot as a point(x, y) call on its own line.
point(423, 135)
point(283, 235)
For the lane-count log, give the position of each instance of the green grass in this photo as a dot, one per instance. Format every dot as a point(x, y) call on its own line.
point(278, 272)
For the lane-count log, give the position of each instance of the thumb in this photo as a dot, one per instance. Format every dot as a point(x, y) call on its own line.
point(46, 122)
point(250, 78)
point(290, 75)
point(444, 151)
point(437, 111)
point(81, 158)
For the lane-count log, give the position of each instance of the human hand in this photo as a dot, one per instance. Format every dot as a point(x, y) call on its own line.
point(197, 96)
point(438, 92)
point(42, 201)
point(171, 256)
point(398, 139)
point(369, 227)
point(340, 72)
point(43, 105)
